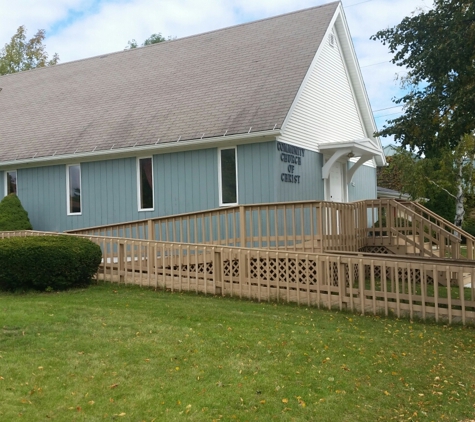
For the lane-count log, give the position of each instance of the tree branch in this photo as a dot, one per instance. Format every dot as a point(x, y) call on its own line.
point(440, 187)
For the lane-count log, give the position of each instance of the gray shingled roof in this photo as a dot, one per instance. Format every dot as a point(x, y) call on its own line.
point(232, 79)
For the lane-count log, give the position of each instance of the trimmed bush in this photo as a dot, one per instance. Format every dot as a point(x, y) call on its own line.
point(47, 262)
point(12, 214)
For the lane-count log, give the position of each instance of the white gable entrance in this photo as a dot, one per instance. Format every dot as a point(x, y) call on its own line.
point(334, 170)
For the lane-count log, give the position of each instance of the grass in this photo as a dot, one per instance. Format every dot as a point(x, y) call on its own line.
point(125, 353)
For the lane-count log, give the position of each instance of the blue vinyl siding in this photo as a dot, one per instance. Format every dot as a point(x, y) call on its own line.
point(42, 192)
point(311, 186)
point(183, 182)
point(259, 171)
point(256, 173)
point(364, 182)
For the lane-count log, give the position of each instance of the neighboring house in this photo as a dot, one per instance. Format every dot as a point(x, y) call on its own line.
point(269, 111)
point(385, 193)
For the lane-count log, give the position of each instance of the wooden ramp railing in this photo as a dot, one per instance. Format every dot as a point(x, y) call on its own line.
point(310, 226)
point(307, 226)
point(446, 225)
point(367, 284)
point(292, 226)
point(404, 231)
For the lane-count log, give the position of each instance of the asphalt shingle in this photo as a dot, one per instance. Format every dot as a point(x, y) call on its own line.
point(229, 80)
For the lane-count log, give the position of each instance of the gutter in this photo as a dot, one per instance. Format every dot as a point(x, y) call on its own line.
point(144, 149)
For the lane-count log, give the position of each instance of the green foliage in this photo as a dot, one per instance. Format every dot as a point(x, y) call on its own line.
point(403, 170)
point(440, 202)
point(12, 214)
point(469, 226)
point(47, 262)
point(153, 39)
point(437, 47)
point(22, 54)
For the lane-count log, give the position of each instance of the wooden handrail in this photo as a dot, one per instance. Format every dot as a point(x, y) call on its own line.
point(422, 219)
point(442, 220)
point(313, 226)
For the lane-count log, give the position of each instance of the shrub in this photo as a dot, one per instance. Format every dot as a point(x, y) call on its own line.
point(12, 214)
point(47, 262)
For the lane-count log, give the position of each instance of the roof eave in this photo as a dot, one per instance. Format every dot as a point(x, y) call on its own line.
point(144, 150)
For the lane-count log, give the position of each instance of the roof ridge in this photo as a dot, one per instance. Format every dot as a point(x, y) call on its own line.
point(130, 50)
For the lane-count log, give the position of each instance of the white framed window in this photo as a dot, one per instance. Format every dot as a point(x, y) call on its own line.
point(145, 183)
point(228, 177)
point(73, 187)
point(11, 185)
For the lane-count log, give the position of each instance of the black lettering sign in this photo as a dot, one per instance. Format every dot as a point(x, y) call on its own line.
point(291, 155)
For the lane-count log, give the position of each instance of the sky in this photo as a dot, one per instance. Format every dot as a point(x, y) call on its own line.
point(77, 29)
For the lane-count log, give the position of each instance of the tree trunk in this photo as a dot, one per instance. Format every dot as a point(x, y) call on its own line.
point(459, 199)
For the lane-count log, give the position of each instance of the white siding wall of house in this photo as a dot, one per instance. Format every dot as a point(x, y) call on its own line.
point(326, 109)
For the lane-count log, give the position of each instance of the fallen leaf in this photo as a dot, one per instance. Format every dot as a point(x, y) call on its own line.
point(285, 400)
point(114, 385)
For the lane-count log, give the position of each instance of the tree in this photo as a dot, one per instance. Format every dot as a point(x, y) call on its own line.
point(446, 179)
point(153, 39)
point(22, 54)
point(438, 49)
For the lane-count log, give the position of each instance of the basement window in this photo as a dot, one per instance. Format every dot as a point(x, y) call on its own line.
point(10, 182)
point(73, 182)
point(227, 169)
point(145, 183)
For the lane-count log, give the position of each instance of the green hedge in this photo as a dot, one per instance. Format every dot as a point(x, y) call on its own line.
point(12, 214)
point(47, 262)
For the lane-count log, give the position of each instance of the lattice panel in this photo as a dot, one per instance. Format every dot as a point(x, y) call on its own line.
point(333, 269)
point(284, 270)
point(377, 249)
point(193, 268)
point(310, 268)
point(231, 268)
point(414, 274)
point(402, 274)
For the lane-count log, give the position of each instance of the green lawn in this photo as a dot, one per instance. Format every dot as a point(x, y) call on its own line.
point(131, 354)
